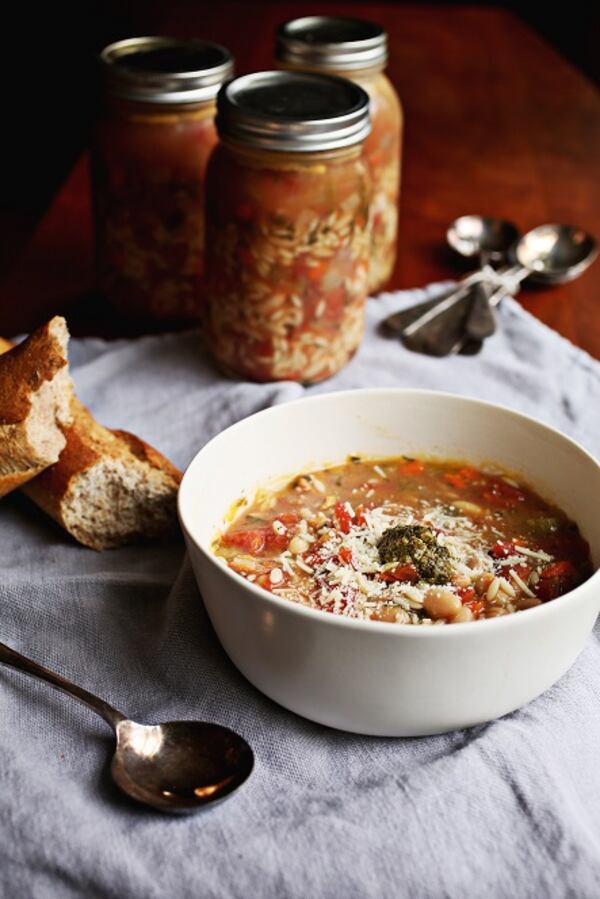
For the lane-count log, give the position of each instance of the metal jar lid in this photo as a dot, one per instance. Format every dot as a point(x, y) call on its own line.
point(165, 69)
point(293, 111)
point(331, 43)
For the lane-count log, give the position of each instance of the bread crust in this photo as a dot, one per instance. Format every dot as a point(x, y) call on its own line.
point(149, 487)
point(25, 367)
point(90, 445)
point(35, 394)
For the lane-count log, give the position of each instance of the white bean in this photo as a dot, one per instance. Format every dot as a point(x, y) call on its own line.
point(298, 545)
point(441, 603)
point(463, 614)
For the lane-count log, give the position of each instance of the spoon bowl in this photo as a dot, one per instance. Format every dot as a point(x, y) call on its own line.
point(556, 253)
point(179, 766)
point(478, 235)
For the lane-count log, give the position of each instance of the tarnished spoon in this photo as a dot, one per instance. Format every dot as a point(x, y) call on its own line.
point(178, 766)
point(552, 253)
point(491, 239)
point(470, 235)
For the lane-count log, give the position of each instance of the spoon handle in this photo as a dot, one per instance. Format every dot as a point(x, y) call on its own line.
point(14, 659)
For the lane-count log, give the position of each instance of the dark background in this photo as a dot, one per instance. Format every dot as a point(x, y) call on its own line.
point(49, 76)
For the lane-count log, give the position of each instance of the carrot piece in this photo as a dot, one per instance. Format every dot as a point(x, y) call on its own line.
point(411, 467)
point(455, 480)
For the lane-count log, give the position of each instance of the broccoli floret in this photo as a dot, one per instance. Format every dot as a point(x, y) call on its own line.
point(416, 545)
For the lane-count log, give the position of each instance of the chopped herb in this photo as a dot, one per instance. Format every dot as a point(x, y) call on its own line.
point(543, 526)
point(416, 545)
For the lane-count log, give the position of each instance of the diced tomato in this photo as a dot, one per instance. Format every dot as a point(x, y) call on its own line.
point(563, 569)
point(336, 301)
point(343, 518)
point(503, 495)
point(455, 480)
point(523, 571)
point(411, 467)
point(345, 555)
point(469, 474)
point(289, 519)
point(253, 541)
point(359, 516)
point(555, 579)
point(406, 573)
point(476, 606)
point(276, 541)
point(316, 272)
point(264, 581)
point(467, 594)
point(502, 549)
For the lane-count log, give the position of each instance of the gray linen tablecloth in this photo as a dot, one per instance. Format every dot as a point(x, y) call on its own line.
point(509, 809)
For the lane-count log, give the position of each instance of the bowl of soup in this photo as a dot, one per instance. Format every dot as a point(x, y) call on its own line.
point(396, 562)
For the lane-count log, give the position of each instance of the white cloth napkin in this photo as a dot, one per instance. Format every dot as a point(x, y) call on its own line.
point(509, 809)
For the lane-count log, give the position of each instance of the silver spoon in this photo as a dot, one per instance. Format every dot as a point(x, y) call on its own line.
point(178, 766)
point(490, 239)
point(553, 253)
point(470, 235)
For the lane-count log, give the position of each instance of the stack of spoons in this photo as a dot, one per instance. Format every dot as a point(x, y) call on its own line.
point(459, 320)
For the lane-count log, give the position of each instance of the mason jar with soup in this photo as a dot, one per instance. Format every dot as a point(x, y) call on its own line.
point(287, 211)
point(357, 49)
point(149, 156)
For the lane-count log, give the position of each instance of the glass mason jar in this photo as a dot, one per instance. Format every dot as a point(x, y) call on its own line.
point(358, 50)
point(149, 156)
point(287, 226)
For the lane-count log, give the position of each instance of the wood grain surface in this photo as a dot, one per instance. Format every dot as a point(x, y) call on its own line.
point(496, 123)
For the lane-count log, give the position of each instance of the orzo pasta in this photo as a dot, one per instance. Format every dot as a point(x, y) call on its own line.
point(358, 50)
point(287, 249)
point(150, 154)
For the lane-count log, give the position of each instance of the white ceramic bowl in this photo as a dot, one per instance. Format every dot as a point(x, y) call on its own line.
point(371, 677)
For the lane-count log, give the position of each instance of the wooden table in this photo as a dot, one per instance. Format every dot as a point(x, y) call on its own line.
point(496, 123)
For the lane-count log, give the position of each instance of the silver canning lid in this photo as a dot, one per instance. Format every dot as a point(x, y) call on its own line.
point(165, 69)
point(293, 111)
point(331, 43)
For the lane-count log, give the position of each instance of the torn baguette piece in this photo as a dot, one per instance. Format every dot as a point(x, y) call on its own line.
point(108, 488)
point(35, 401)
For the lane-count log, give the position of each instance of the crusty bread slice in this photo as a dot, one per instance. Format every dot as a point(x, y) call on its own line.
point(35, 396)
point(108, 488)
